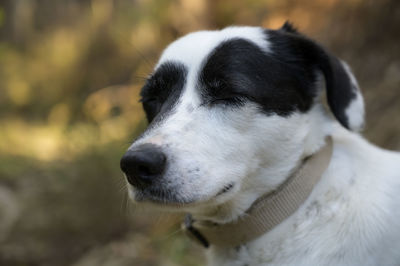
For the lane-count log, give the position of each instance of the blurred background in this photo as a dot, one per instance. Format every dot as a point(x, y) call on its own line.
point(70, 74)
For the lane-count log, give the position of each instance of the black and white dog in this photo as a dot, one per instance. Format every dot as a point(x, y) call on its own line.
point(233, 114)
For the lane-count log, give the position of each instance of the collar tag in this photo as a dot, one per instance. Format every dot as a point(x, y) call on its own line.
point(193, 233)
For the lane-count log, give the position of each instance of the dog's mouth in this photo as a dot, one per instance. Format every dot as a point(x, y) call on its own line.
point(171, 198)
point(161, 196)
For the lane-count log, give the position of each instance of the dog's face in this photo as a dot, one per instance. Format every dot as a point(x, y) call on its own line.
point(230, 112)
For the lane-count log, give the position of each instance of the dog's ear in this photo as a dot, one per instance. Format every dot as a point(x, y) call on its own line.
point(343, 93)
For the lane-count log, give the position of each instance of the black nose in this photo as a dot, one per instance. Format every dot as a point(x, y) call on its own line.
point(143, 165)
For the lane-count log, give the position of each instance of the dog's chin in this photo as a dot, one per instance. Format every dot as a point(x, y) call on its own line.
point(172, 199)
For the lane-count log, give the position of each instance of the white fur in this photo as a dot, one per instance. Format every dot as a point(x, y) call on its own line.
point(352, 216)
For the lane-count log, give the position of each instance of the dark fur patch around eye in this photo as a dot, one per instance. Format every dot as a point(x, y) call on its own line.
point(163, 88)
point(279, 82)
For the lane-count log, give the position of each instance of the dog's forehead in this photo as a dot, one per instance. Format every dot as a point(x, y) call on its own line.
point(192, 49)
point(232, 67)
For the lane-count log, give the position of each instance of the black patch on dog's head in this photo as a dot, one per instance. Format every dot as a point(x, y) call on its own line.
point(239, 70)
point(281, 79)
point(163, 89)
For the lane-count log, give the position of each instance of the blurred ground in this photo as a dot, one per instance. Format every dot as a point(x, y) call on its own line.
point(69, 78)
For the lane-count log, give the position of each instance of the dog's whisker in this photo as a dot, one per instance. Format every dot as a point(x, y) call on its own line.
point(124, 203)
point(174, 233)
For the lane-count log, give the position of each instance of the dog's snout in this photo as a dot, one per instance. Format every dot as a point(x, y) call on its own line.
point(143, 165)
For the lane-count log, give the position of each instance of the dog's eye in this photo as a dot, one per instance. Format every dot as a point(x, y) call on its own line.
point(230, 100)
point(148, 100)
point(151, 107)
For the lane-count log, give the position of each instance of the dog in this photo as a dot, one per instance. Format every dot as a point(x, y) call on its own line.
point(233, 115)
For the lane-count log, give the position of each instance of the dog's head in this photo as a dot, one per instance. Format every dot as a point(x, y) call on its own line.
point(233, 111)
